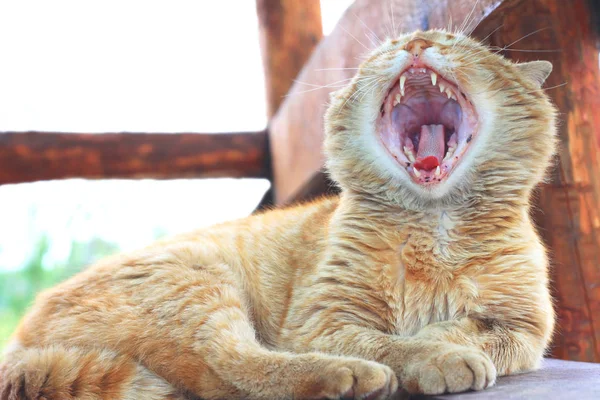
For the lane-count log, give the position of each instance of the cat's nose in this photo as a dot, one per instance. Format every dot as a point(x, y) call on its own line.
point(416, 46)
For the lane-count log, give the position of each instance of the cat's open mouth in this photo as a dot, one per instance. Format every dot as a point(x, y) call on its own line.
point(427, 124)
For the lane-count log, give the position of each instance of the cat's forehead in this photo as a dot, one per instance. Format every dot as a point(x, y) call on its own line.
point(432, 36)
point(435, 37)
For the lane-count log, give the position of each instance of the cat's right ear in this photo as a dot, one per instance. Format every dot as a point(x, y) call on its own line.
point(536, 71)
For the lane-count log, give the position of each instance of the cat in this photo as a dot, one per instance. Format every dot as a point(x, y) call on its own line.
point(425, 273)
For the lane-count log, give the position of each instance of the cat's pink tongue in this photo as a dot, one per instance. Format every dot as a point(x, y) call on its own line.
point(431, 147)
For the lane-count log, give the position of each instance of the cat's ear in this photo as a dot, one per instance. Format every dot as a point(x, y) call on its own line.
point(536, 71)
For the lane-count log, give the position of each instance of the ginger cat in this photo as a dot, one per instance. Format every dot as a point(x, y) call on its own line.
point(425, 273)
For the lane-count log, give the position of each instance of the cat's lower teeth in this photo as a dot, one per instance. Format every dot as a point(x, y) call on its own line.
point(450, 153)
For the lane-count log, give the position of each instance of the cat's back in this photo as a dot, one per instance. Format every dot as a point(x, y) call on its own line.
point(266, 251)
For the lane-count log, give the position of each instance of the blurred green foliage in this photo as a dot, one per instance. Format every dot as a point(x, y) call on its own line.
point(19, 288)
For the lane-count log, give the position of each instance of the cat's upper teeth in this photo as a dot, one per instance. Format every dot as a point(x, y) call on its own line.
point(442, 87)
point(409, 154)
point(396, 100)
point(402, 82)
point(433, 78)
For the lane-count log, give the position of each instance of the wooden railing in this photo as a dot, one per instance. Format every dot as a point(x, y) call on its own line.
point(31, 156)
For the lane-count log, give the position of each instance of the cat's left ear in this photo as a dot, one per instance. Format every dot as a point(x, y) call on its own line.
point(536, 71)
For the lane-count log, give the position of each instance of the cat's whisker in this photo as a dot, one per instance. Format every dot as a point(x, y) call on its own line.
point(371, 88)
point(534, 51)
point(449, 27)
point(313, 90)
point(491, 33)
point(353, 95)
point(369, 29)
point(354, 37)
point(526, 36)
point(394, 30)
point(554, 87)
point(321, 86)
point(371, 40)
point(375, 42)
point(342, 69)
point(477, 61)
point(338, 84)
point(466, 21)
point(388, 23)
point(505, 48)
point(367, 84)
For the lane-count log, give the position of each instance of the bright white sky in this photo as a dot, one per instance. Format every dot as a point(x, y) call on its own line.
point(127, 65)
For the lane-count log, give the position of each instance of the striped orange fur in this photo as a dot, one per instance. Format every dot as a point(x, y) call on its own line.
point(436, 289)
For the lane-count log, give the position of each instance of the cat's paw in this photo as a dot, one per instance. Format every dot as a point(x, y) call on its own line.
point(355, 379)
point(456, 369)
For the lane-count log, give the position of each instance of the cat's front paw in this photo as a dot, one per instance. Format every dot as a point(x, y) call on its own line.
point(350, 379)
point(455, 369)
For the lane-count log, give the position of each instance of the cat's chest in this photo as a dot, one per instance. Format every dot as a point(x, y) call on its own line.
point(428, 286)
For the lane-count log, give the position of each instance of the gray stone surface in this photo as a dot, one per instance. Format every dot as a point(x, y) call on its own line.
point(556, 379)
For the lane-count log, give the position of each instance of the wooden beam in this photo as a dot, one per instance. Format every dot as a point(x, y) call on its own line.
point(296, 131)
point(33, 156)
point(289, 31)
point(317, 185)
point(569, 206)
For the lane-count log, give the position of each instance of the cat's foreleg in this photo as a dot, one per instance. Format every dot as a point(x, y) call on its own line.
point(209, 346)
point(450, 356)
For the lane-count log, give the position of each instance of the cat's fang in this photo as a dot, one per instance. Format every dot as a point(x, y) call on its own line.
point(402, 82)
point(416, 172)
point(433, 78)
point(409, 154)
point(438, 171)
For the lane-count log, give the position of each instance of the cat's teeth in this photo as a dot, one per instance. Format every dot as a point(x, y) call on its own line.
point(433, 78)
point(448, 93)
point(442, 87)
point(417, 173)
point(454, 97)
point(402, 81)
point(438, 171)
point(450, 153)
point(396, 100)
point(409, 154)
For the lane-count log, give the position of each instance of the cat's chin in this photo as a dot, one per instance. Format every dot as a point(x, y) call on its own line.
point(427, 124)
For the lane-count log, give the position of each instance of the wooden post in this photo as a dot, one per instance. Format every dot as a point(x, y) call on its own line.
point(289, 31)
point(569, 206)
point(33, 156)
